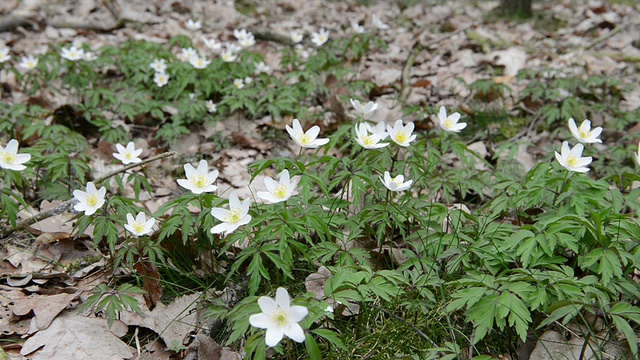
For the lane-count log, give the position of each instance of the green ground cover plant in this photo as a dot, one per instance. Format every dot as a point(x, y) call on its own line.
point(370, 226)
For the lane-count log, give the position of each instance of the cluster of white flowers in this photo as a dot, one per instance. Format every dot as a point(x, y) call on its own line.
point(75, 53)
point(571, 158)
point(160, 77)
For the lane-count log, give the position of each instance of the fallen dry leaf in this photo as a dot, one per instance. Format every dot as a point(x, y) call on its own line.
point(172, 322)
point(72, 336)
point(45, 308)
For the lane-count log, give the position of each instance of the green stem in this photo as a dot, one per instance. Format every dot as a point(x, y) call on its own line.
point(563, 188)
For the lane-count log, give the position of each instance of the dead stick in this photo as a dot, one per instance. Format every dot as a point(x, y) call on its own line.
point(67, 205)
point(411, 59)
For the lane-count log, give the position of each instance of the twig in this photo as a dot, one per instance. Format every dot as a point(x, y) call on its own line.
point(67, 205)
point(411, 59)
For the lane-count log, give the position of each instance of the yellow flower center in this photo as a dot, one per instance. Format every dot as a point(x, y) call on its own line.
point(304, 139)
point(583, 134)
point(8, 157)
point(571, 160)
point(396, 181)
point(233, 217)
point(279, 317)
point(138, 227)
point(280, 191)
point(92, 200)
point(127, 155)
point(401, 136)
point(198, 180)
point(368, 140)
point(448, 123)
point(322, 38)
point(31, 64)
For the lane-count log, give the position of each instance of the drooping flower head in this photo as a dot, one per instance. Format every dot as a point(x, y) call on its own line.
point(89, 56)
point(571, 159)
point(279, 318)
point(396, 183)
point(450, 123)
point(10, 159)
point(401, 134)
point(236, 216)
point(367, 139)
point(320, 37)
point(91, 200)
point(305, 139)
point(128, 155)
point(140, 225)
point(280, 190)
point(364, 110)
point(199, 180)
point(638, 155)
point(584, 134)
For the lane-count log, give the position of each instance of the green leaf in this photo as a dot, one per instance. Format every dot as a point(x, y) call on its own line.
point(330, 336)
point(312, 347)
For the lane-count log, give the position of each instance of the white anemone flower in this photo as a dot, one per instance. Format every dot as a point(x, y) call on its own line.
point(247, 42)
point(368, 139)
point(228, 55)
point(401, 134)
point(378, 23)
point(261, 67)
point(301, 51)
point(236, 216)
point(193, 25)
point(188, 53)
point(280, 190)
point(638, 155)
point(211, 106)
point(10, 159)
point(159, 65)
point(4, 54)
point(72, 53)
point(212, 44)
point(279, 318)
point(128, 155)
point(28, 62)
point(357, 28)
point(91, 200)
point(140, 225)
point(450, 123)
point(306, 139)
point(396, 183)
point(584, 134)
point(89, 56)
point(296, 37)
point(199, 62)
point(238, 83)
point(241, 34)
point(364, 110)
point(320, 37)
point(379, 129)
point(571, 159)
point(161, 79)
point(199, 180)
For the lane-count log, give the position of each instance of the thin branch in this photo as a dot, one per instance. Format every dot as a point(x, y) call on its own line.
point(68, 205)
